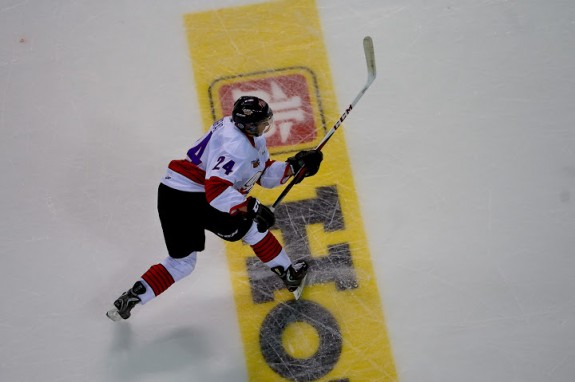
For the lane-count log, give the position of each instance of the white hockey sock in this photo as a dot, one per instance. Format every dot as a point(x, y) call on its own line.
point(281, 259)
point(163, 275)
point(148, 295)
point(180, 268)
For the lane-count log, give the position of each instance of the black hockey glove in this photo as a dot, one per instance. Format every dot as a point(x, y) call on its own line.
point(262, 215)
point(310, 159)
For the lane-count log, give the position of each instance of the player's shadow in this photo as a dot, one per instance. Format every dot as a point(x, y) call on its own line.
point(131, 358)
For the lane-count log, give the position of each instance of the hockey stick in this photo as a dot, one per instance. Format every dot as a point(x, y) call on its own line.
point(371, 73)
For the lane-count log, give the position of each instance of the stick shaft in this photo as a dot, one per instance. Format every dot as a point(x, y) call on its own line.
point(371, 74)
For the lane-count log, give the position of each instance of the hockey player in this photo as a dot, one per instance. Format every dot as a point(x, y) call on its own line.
point(208, 191)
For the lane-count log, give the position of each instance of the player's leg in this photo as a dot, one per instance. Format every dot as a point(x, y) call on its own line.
point(269, 250)
point(265, 245)
point(184, 238)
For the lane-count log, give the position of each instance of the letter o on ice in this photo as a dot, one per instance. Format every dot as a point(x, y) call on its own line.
point(300, 369)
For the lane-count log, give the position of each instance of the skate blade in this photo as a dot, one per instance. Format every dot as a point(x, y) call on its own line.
point(297, 293)
point(114, 315)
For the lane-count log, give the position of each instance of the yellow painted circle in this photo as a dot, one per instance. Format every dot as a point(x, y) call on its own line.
point(300, 340)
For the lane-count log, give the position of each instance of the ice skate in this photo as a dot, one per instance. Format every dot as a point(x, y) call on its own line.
point(126, 302)
point(294, 277)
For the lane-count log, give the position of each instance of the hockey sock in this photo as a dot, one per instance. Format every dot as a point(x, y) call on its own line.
point(271, 252)
point(267, 248)
point(180, 268)
point(148, 294)
point(161, 276)
point(158, 278)
point(281, 260)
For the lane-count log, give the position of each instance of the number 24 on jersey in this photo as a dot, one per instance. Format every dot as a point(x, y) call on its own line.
point(196, 152)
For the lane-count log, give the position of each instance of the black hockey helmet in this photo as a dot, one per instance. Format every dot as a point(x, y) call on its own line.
point(252, 114)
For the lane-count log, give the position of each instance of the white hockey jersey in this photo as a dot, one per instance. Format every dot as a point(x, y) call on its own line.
point(225, 164)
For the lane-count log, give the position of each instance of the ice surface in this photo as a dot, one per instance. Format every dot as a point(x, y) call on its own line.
point(463, 157)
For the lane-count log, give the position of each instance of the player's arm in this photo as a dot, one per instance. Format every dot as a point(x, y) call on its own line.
point(309, 160)
point(255, 210)
point(222, 196)
point(277, 173)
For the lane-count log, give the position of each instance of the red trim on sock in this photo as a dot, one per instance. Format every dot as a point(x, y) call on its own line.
point(268, 248)
point(158, 278)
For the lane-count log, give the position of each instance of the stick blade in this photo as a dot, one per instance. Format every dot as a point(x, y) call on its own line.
point(369, 58)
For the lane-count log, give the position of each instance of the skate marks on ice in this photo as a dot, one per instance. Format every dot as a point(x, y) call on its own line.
point(307, 356)
point(336, 331)
point(301, 340)
point(153, 356)
point(131, 355)
point(293, 219)
point(334, 315)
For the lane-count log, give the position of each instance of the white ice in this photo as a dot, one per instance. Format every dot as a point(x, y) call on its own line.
point(463, 154)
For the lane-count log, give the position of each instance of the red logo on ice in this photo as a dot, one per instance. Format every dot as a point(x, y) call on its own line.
point(288, 96)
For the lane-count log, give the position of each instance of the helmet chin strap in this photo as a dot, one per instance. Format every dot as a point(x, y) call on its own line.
point(249, 130)
point(252, 130)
